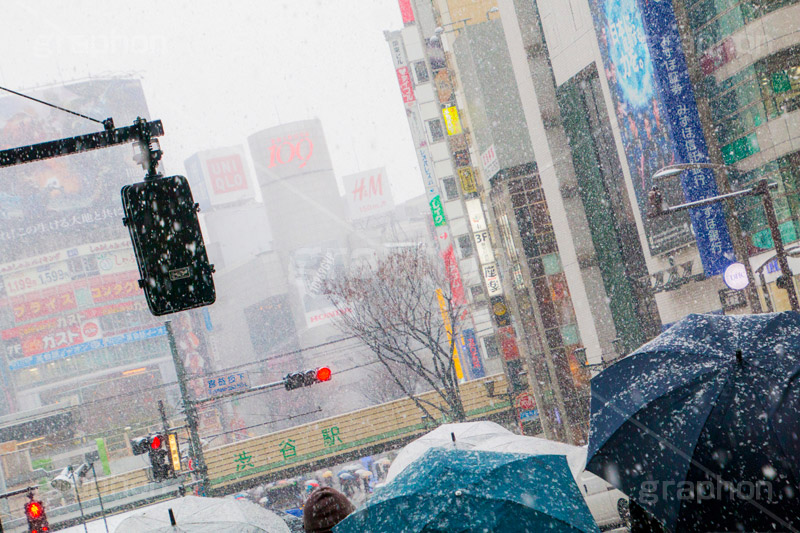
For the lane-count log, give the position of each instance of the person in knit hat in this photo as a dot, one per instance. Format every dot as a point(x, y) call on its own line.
point(325, 508)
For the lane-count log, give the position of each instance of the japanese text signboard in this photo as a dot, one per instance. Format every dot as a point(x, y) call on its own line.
point(406, 86)
point(675, 89)
point(227, 383)
point(649, 82)
point(437, 211)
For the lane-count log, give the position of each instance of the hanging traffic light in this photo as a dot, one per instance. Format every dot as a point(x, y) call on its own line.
point(159, 458)
point(37, 518)
point(306, 378)
point(161, 217)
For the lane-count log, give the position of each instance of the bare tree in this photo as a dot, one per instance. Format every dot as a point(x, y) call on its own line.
point(403, 308)
point(381, 384)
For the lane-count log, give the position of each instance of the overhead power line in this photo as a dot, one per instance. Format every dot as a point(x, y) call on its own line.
point(107, 123)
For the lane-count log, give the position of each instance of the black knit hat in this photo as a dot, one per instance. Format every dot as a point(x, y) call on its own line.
point(325, 508)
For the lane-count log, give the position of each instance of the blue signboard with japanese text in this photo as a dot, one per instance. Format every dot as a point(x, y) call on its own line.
point(97, 344)
point(675, 89)
point(659, 123)
point(227, 383)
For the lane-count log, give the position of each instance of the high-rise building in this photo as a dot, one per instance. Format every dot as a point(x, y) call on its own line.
point(455, 77)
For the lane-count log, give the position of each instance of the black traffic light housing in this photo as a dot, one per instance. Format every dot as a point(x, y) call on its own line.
point(161, 217)
point(36, 516)
point(306, 378)
point(140, 445)
point(159, 458)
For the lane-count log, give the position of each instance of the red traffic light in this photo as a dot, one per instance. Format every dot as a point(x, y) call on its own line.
point(323, 373)
point(34, 510)
point(155, 442)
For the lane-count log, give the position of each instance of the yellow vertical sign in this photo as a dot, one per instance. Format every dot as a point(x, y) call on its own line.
point(174, 452)
point(451, 120)
point(449, 328)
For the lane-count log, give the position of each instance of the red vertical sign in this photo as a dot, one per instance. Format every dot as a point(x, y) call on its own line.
point(454, 276)
point(406, 11)
point(406, 87)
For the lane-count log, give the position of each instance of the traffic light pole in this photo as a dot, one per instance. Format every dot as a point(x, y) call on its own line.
point(77, 496)
point(760, 189)
point(191, 413)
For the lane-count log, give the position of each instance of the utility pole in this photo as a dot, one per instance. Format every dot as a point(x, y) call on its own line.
point(190, 411)
point(163, 414)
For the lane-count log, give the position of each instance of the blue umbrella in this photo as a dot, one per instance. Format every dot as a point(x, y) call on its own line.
point(701, 426)
point(449, 490)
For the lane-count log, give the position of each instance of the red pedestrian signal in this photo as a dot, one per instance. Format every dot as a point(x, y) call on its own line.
point(34, 510)
point(37, 519)
point(323, 374)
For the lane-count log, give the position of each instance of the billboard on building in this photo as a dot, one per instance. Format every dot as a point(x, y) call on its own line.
point(649, 82)
point(60, 202)
point(309, 269)
point(368, 193)
point(220, 176)
point(65, 303)
point(289, 150)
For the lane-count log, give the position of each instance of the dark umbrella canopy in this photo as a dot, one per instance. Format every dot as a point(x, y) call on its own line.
point(701, 425)
point(476, 491)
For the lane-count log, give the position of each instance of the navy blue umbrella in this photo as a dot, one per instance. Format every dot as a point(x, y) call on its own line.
point(701, 426)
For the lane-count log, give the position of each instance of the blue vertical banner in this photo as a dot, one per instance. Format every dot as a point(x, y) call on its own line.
point(471, 354)
point(675, 89)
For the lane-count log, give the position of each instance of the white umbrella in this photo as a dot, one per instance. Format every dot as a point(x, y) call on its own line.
point(511, 443)
point(204, 515)
point(467, 434)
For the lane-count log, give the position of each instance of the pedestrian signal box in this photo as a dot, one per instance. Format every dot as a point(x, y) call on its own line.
point(161, 217)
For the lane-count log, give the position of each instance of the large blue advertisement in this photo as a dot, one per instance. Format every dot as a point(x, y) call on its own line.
point(669, 63)
point(659, 123)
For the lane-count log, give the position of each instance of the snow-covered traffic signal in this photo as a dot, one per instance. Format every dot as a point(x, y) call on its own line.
point(159, 458)
point(155, 445)
point(306, 378)
point(161, 217)
point(37, 518)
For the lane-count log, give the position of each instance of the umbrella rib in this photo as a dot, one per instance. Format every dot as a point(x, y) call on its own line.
point(628, 417)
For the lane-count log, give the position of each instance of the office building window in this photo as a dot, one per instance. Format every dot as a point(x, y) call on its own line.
point(450, 188)
point(490, 347)
point(465, 245)
point(421, 70)
point(478, 296)
point(436, 130)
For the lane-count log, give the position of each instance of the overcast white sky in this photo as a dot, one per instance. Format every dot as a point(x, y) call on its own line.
point(217, 72)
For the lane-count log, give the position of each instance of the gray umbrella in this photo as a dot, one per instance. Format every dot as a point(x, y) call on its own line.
point(204, 515)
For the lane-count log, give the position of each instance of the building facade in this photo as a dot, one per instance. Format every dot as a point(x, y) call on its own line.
point(76, 331)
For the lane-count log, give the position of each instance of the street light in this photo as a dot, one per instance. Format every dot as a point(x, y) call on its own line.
point(762, 187)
